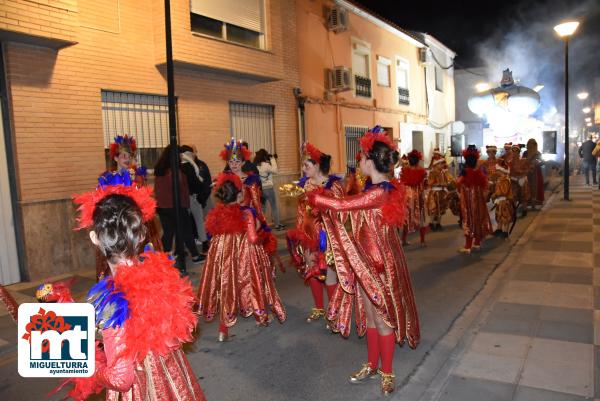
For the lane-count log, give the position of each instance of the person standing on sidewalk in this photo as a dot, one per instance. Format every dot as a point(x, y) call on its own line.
point(267, 166)
point(589, 160)
point(370, 261)
point(472, 189)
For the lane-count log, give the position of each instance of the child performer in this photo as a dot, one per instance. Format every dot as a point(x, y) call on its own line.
point(307, 243)
point(370, 262)
point(143, 309)
point(503, 199)
point(237, 275)
point(414, 178)
point(472, 189)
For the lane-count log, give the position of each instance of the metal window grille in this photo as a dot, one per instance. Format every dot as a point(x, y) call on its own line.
point(353, 135)
point(363, 86)
point(403, 96)
point(145, 117)
point(253, 123)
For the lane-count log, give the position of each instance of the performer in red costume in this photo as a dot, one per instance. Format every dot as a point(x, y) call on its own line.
point(236, 279)
point(414, 178)
point(473, 191)
point(370, 263)
point(307, 243)
point(143, 309)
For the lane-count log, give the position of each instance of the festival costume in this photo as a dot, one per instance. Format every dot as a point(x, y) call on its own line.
point(519, 168)
point(370, 257)
point(309, 236)
point(535, 179)
point(503, 200)
point(413, 178)
point(236, 279)
point(144, 313)
point(472, 188)
point(437, 197)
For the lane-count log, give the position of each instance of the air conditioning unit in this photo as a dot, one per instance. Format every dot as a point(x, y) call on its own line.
point(337, 19)
point(339, 79)
point(423, 55)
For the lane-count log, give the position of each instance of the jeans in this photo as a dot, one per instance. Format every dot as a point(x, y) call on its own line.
point(269, 196)
point(167, 221)
point(587, 166)
point(198, 215)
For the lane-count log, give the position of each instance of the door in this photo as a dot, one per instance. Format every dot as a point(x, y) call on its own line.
point(417, 140)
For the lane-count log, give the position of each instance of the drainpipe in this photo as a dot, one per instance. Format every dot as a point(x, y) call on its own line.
point(300, 100)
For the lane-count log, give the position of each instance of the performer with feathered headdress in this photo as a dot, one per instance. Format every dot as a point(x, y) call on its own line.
point(414, 178)
point(371, 267)
point(472, 189)
point(143, 309)
point(307, 242)
point(237, 278)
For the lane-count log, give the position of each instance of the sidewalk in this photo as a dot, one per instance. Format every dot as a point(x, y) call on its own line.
point(533, 333)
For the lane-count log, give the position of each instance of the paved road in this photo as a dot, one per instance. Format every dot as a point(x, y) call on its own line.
point(302, 361)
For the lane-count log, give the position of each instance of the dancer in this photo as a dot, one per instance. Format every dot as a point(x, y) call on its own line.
point(519, 168)
point(503, 199)
point(488, 167)
point(414, 178)
point(307, 243)
point(437, 201)
point(143, 309)
point(534, 176)
point(472, 189)
point(370, 263)
point(236, 279)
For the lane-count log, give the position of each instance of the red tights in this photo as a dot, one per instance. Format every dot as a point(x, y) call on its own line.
point(380, 346)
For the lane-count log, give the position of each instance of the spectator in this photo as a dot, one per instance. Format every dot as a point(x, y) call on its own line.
point(163, 188)
point(199, 182)
point(267, 166)
point(596, 154)
point(589, 161)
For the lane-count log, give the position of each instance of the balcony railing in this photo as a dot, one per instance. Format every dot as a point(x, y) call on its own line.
point(403, 96)
point(362, 86)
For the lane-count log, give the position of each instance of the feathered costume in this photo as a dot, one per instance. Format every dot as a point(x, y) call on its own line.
point(370, 256)
point(144, 313)
point(236, 279)
point(472, 188)
point(414, 179)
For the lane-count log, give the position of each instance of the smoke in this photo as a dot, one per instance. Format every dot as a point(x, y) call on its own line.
point(526, 43)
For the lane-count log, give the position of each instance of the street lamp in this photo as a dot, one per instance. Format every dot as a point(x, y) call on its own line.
point(565, 31)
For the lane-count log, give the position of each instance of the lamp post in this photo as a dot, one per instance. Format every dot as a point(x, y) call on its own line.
point(565, 31)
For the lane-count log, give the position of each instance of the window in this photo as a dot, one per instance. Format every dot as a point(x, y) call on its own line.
point(402, 81)
point(145, 117)
point(439, 79)
point(353, 135)
point(383, 71)
point(440, 142)
point(361, 61)
point(237, 21)
point(253, 123)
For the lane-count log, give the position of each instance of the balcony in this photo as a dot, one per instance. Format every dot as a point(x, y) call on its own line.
point(403, 96)
point(362, 86)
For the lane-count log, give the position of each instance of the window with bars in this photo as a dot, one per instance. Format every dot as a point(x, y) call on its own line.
point(403, 96)
point(353, 135)
point(402, 68)
point(253, 123)
point(143, 116)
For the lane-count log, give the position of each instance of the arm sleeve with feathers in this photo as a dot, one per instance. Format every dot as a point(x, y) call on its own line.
point(251, 227)
point(367, 200)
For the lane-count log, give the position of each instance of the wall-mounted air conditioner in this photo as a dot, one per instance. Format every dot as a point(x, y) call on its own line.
point(337, 19)
point(339, 79)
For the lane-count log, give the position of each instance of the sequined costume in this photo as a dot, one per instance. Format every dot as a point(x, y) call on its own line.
point(437, 198)
point(414, 180)
point(472, 188)
point(236, 279)
point(503, 201)
point(370, 256)
point(144, 314)
point(519, 168)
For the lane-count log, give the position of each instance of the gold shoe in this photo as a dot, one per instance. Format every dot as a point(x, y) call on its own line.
point(388, 383)
point(315, 314)
point(476, 247)
point(465, 250)
point(223, 337)
point(364, 373)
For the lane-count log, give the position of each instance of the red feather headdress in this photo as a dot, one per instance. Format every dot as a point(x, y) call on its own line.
point(309, 151)
point(377, 134)
point(416, 153)
point(122, 142)
point(87, 202)
point(471, 151)
point(228, 176)
point(234, 150)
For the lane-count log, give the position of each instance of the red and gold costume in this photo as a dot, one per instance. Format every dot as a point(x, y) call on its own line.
point(519, 168)
point(472, 188)
point(503, 199)
point(535, 178)
point(414, 179)
point(236, 279)
point(437, 197)
point(308, 242)
point(144, 314)
point(489, 165)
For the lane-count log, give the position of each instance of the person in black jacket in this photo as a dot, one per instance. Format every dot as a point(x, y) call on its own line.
point(199, 182)
point(589, 160)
